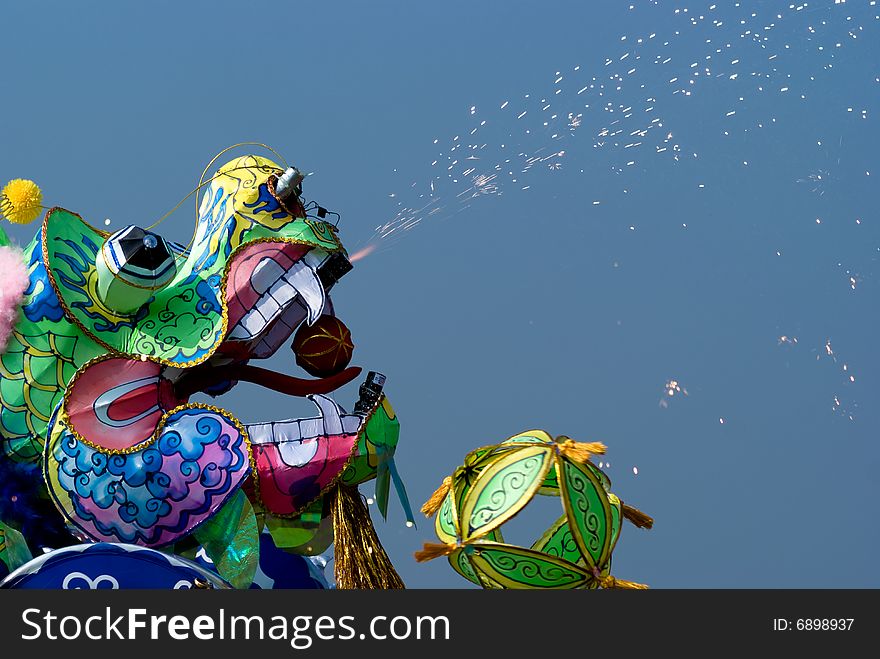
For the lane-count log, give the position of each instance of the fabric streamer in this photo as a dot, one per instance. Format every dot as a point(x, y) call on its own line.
point(232, 541)
point(359, 560)
point(14, 551)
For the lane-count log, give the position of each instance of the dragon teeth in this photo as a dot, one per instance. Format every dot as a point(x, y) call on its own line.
point(268, 306)
point(265, 274)
point(253, 322)
point(297, 439)
point(331, 414)
point(277, 289)
point(305, 280)
point(282, 291)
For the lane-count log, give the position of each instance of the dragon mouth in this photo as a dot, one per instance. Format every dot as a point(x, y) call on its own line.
point(297, 441)
point(272, 289)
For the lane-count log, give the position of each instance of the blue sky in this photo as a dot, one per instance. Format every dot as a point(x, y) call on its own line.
point(699, 207)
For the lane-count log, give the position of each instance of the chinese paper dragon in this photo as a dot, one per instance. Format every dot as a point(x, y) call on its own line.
point(112, 336)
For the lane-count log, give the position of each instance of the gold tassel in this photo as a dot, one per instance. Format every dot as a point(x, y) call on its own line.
point(432, 505)
point(580, 451)
point(360, 561)
point(610, 582)
point(432, 550)
point(637, 517)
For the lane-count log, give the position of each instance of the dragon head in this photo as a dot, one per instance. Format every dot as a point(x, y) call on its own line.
point(257, 268)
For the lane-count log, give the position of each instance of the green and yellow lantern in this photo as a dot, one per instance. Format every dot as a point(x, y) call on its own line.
point(495, 483)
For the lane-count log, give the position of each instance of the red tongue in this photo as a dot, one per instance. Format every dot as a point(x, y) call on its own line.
point(204, 376)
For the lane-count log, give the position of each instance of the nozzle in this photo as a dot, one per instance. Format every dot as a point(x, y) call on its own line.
point(370, 392)
point(289, 182)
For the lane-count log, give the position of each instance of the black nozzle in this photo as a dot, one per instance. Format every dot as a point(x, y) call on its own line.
point(370, 392)
point(333, 269)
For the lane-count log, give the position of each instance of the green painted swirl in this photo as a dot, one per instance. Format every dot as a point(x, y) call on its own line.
point(460, 563)
point(559, 542)
point(529, 571)
point(444, 524)
point(587, 510)
point(504, 490)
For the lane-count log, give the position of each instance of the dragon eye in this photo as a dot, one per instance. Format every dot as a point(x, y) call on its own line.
point(132, 264)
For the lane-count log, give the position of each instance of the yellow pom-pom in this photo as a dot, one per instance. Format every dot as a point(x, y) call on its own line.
point(21, 201)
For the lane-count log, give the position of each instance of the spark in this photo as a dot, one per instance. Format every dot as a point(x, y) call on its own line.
point(362, 253)
point(671, 388)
